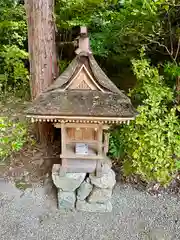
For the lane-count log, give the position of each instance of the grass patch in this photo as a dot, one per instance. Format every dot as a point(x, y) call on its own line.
point(22, 185)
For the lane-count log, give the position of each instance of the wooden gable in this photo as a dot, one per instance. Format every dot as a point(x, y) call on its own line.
point(83, 80)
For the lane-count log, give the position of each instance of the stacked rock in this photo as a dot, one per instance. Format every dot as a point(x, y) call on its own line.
point(84, 191)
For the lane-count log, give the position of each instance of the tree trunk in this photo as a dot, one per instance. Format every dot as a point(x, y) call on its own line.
point(42, 52)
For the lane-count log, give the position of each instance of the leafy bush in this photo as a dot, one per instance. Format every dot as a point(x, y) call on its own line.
point(116, 148)
point(13, 43)
point(15, 75)
point(13, 135)
point(151, 143)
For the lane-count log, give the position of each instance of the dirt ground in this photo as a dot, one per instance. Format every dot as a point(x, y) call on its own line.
point(33, 162)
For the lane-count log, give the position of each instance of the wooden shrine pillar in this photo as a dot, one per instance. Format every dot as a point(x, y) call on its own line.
point(106, 142)
point(100, 137)
point(63, 139)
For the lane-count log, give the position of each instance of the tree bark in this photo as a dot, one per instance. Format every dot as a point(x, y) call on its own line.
point(42, 52)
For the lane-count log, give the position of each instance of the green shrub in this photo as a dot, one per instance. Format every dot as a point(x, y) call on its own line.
point(13, 135)
point(151, 143)
point(116, 147)
point(14, 75)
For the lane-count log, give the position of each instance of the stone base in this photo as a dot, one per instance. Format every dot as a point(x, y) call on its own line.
point(85, 192)
point(69, 182)
point(100, 195)
point(66, 200)
point(93, 207)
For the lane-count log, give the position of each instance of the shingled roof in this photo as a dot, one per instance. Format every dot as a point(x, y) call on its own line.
point(82, 103)
point(92, 65)
point(104, 100)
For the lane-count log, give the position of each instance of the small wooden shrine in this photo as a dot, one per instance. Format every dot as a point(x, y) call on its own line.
point(83, 102)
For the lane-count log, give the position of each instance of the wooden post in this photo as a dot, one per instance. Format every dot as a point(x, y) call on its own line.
point(99, 166)
point(106, 142)
point(63, 139)
point(63, 150)
point(100, 140)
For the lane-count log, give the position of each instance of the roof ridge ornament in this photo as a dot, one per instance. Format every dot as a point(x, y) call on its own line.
point(83, 42)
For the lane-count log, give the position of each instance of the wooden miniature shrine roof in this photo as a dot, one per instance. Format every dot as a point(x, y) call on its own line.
point(89, 61)
point(82, 103)
point(82, 91)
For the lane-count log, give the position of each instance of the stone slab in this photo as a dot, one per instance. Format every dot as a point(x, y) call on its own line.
point(69, 182)
point(93, 207)
point(84, 190)
point(100, 195)
point(66, 200)
point(107, 180)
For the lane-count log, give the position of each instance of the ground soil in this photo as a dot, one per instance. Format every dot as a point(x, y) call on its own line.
point(33, 162)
